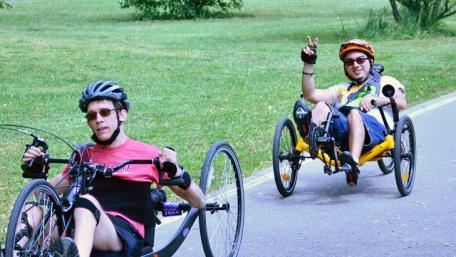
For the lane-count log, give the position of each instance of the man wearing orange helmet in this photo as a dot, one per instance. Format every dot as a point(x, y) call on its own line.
point(358, 125)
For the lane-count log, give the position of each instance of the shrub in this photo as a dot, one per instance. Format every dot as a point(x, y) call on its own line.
point(181, 9)
point(425, 13)
point(382, 24)
point(404, 22)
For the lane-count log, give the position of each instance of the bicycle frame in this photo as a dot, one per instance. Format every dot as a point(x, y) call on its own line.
point(376, 153)
point(178, 238)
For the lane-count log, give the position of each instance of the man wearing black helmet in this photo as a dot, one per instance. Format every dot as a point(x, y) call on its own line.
point(110, 220)
point(358, 125)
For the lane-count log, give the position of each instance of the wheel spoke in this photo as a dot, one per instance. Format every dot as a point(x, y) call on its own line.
point(221, 228)
point(34, 221)
point(404, 155)
point(286, 147)
point(285, 163)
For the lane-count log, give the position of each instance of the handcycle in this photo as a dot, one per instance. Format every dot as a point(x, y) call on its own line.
point(221, 222)
point(396, 153)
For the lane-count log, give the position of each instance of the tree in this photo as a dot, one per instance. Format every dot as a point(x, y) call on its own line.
point(4, 4)
point(426, 13)
point(181, 8)
point(396, 15)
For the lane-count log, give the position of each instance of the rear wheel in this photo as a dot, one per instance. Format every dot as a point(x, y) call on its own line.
point(404, 155)
point(386, 164)
point(222, 222)
point(284, 163)
point(35, 222)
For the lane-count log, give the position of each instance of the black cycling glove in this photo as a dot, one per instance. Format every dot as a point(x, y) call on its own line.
point(311, 59)
point(35, 166)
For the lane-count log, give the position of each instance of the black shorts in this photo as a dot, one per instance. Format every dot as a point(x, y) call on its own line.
point(132, 240)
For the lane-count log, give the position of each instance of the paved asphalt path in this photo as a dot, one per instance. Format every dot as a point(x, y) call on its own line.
point(325, 217)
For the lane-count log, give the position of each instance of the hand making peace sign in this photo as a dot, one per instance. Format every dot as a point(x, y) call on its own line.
point(309, 53)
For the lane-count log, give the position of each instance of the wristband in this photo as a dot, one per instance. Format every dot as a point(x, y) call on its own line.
point(307, 73)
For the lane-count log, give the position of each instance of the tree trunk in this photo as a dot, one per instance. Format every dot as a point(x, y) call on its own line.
point(397, 16)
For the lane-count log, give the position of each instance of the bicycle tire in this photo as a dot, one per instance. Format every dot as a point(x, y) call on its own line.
point(404, 155)
point(222, 221)
point(386, 165)
point(284, 144)
point(37, 193)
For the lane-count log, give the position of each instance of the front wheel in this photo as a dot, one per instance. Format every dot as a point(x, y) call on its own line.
point(222, 221)
point(404, 155)
point(36, 221)
point(284, 163)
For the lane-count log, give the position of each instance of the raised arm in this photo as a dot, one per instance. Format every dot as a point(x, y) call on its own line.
point(309, 58)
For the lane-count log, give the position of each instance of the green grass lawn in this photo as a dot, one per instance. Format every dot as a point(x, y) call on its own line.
point(191, 82)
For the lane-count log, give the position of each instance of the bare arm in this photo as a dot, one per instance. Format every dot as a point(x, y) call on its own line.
point(310, 93)
point(399, 96)
point(400, 99)
point(193, 195)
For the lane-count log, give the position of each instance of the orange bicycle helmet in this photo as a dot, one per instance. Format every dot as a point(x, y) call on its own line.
point(356, 45)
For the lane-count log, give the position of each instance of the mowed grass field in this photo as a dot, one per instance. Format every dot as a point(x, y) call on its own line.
point(191, 82)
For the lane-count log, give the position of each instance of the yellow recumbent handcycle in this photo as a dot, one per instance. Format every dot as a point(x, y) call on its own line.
point(397, 152)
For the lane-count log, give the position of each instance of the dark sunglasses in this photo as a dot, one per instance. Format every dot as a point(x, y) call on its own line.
point(359, 60)
point(103, 113)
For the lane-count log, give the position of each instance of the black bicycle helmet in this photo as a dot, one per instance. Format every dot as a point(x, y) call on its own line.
point(103, 89)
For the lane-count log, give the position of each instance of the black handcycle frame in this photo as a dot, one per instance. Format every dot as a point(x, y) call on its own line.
point(83, 172)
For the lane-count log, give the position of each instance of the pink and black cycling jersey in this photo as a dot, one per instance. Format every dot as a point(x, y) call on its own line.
point(127, 193)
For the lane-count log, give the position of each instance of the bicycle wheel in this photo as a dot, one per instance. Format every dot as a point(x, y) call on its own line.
point(222, 222)
point(404, 155)
point(35, 222)
point(283, 148)
point(386, 164)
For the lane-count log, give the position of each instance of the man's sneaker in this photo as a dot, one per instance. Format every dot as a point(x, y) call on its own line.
point(65, 247)
point(352, 177)
point(353, 174)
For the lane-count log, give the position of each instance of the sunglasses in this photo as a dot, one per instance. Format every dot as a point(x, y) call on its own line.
point(103, 113)
point(359, 60)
